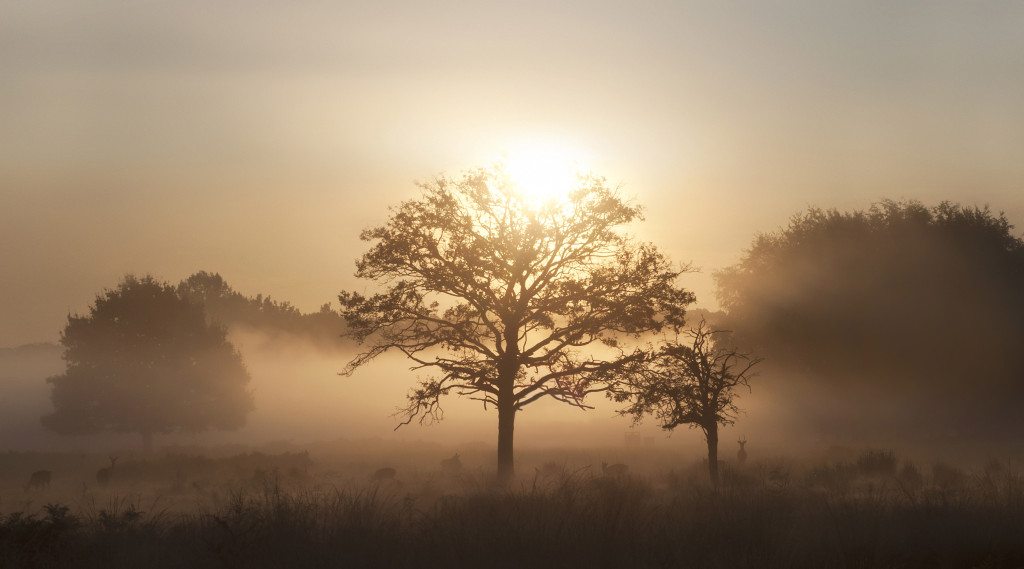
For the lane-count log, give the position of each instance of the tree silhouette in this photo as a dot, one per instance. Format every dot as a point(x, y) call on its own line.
point(692, 383)
point(145, 360)
point(508, 302)
point(225, 305)
point(914, 306)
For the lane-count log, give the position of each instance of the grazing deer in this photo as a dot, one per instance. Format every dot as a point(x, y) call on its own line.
point(179, 481)
point(383, 474)
point(614, 469)
point(741, 455)
point(38, 480)
point(452, 464)
point(103, 475)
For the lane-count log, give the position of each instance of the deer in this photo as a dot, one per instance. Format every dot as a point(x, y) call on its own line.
point(549, 469)
point(103, 475)
point(39, 479)
point(616, 470)
point(382, 474)
point(179, 481)
point(741, 455)
point(452, 464)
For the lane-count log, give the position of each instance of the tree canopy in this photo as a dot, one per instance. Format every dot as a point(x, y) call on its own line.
point(922, 306)
point(145, 360)
point(508, 301)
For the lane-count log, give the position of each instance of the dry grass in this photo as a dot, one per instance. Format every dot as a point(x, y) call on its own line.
point(869, 512)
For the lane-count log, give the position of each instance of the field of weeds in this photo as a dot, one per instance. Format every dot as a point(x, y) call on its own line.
point(873, 510)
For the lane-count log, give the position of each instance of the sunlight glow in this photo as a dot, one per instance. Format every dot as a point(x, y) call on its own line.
point(544, 174)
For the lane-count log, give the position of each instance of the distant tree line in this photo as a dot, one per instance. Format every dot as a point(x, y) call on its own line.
point(227, 306)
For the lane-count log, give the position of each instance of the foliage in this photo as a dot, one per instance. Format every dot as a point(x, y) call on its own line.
point(917, 306)
point(145, 360)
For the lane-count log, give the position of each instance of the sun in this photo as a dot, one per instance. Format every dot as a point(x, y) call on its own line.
point(543, 173)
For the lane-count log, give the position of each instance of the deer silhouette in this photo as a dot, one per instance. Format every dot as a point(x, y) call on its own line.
point(382, 474)
point(38, 480)
point(104, 475)
point(452, 464)
point(741, 455)
point(618, 469)
point(549, 469)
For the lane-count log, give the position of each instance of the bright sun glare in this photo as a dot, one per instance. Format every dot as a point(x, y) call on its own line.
point(543, 173)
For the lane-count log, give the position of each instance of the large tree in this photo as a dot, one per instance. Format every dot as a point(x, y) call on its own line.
point(508, 301)
point(898, 320)
point(692, 381)
point(145, 360)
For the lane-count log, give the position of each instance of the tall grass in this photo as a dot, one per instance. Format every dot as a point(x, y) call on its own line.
point(855, 515)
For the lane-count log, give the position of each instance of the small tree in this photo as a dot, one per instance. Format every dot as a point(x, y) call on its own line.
point(508, 301)
point(145, 360)
point(693, 383)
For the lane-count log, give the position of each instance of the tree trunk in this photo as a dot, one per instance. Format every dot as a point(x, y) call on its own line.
point(506, 429)
point(711, 432)
point(147, 442)
point(507, 370)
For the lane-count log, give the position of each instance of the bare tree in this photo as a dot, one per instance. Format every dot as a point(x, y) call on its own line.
point(506, 301)
point(693, 383)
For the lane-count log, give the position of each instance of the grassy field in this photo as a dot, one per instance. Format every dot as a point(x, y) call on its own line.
point(292, 510)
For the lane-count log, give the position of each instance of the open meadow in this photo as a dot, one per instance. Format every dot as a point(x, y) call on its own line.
point(843, 508)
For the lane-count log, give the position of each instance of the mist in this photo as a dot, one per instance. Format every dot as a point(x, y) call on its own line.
point(301, 401)
point(511, 284)
point(898, 325)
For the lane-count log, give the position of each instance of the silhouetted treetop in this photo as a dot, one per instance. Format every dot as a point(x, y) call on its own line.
point(499, 297)
point(233, 309)
point(693, 380)
point(145, 360)
point(926, 304)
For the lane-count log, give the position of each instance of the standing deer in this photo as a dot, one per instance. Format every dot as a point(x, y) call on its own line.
point(741, 455)
point(616, 470)
point(38, 480)
point(103, 475)
point(452, 464)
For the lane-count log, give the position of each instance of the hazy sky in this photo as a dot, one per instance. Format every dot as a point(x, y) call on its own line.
point(257, 138)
